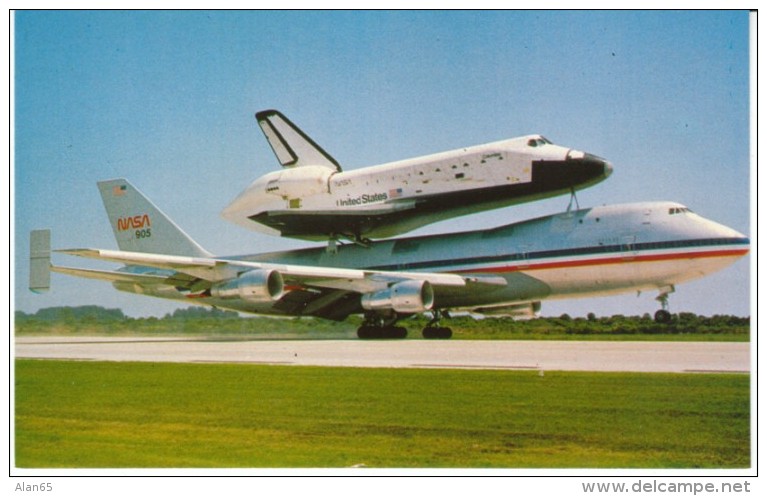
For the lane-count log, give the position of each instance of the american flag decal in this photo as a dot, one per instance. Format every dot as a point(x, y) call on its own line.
point(395, 193)
point(119, 190)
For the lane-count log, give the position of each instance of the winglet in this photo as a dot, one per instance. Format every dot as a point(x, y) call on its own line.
point(292, 146)
point(40, 260)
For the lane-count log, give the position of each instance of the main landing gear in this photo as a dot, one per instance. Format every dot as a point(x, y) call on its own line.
point(433, 330)
point(663, 316)
point(375, 332)
point(437, 333)
point(375, 327)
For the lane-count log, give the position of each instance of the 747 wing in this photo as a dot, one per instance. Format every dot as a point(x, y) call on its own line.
point(298, 289)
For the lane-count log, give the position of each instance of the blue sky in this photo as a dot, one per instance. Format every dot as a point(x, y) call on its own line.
point(166, 99)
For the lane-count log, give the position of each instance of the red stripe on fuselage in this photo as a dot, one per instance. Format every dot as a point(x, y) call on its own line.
point(625, 258)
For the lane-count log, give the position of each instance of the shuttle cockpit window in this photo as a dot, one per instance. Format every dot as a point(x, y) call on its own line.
point(539, 141)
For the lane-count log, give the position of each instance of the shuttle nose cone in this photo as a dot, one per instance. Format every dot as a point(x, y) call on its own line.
point(577, 171)
point(597, 163)
point(608, 168)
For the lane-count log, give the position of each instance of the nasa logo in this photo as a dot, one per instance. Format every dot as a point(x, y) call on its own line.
point(135, 222)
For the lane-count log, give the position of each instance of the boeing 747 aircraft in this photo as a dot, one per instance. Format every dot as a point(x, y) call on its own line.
point(312, 198)
point(507, 270)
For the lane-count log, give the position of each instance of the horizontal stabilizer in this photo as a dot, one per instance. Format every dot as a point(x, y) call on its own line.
point(208, 269)
point(110, 275)
point(40, 260)
point(292, 147)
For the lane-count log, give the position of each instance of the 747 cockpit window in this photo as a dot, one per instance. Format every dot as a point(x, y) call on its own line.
point(539, 141)
point(678, 210)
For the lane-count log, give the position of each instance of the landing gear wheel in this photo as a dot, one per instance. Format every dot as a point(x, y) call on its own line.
point(433, 329)
point(367, 332)
point(662, 317)
point(375, 332)
point(437, 333)
point(397, 333)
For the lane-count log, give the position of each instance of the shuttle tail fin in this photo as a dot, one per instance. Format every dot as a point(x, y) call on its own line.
point(292, 146)
point(140, 226)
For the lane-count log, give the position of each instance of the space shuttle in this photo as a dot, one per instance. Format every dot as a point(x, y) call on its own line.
point(312, 198)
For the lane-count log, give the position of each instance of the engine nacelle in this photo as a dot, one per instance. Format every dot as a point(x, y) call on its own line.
point(403, 297)
point(255, 286)
point(299, 182)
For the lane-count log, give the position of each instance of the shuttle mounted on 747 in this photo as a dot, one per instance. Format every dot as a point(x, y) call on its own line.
point(312, 198)
point(507, 270)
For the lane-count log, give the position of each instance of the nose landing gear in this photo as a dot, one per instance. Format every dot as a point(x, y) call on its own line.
point(663, 316)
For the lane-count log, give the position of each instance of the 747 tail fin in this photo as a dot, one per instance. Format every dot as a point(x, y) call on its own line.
point(292, 147)
point(140, 226)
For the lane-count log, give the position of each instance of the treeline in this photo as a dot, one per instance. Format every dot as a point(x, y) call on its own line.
point(204, 321)
point(91, 319)
point(617, 326)
point(105, 315)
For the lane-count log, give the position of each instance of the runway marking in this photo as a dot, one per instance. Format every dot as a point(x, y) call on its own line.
point(713, 371)
point(115, 341)
point(464, 366)
point(245, 362)
point(64, 359)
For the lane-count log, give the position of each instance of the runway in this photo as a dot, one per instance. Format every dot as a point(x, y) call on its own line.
point(602, 356)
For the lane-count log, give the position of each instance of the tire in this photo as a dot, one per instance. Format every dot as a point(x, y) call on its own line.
point(437, 333)
point(397, 333)
point(373, 332)
point(366, 332)
point(662, 317)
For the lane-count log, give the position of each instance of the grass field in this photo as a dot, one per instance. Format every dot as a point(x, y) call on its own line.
point(95, 414)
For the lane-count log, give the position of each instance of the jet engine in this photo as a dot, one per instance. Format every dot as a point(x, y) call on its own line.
point(403, 297)
point(255, 286)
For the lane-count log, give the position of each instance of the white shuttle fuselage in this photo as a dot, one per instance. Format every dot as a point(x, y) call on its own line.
point(312, 198)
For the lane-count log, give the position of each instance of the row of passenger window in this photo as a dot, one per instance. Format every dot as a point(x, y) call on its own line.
point(678, 210)
point(405, 246)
